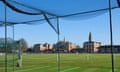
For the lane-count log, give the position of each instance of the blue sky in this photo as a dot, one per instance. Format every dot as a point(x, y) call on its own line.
point(78, 31)
point(74, 30)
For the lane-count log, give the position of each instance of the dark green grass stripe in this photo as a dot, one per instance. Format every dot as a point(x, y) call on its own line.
point(90, 70)
point(103, 70)
point(69, 69)
point(74, 69)
point(117, 70)
point(9, 60)
point(31, 69)
point(51, 69)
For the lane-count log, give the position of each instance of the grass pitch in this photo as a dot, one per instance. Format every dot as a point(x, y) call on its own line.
point(68, 63)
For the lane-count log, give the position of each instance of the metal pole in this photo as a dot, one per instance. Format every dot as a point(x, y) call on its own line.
point(20, 54)
point(58, 54)
point(111, 35)
point(19, 64)
point(13, 46)
point(5, 9)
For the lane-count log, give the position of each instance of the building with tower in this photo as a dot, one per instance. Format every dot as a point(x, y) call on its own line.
point(91, 46)
point(64, 46)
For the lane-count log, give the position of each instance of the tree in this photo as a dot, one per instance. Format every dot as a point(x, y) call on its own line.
point(24, 45)
point(29, 50)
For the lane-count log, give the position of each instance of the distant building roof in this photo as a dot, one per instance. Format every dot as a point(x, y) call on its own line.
point(91, 42)
point(108, 46)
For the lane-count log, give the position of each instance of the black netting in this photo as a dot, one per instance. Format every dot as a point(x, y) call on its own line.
point(22, 8)
point(118, 2)
point(52, 21)
point(32, 10)
point(62, 7)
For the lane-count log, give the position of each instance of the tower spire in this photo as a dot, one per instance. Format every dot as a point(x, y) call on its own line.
point(64, 39)
point(90, 37)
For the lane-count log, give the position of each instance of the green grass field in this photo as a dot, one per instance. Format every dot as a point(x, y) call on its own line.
point(68, 63)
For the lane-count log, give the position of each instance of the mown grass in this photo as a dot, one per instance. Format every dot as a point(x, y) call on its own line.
point(68, 63)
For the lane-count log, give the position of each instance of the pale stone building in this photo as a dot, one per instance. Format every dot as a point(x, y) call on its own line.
point(42, 47)
point(91, 46)
point(64, 46)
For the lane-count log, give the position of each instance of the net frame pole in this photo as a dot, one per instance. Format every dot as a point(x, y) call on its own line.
point(5, 27)
point(111, 36)
point(48, 21)
point(13, 31)
point(58, 38)
point(19, 54)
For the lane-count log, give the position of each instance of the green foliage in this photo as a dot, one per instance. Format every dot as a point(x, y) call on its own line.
point(24, 45)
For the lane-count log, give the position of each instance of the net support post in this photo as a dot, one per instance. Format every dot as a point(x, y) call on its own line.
point(19, 63)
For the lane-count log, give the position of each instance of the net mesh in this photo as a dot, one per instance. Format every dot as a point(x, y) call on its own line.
point(13, 54)
point(63, 9)
point(36, 11)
